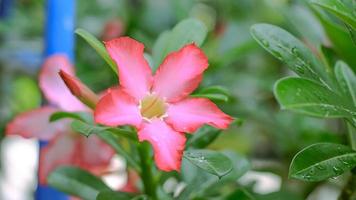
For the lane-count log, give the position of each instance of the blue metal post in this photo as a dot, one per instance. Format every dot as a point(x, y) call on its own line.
point(5, 8)
point(59, 38)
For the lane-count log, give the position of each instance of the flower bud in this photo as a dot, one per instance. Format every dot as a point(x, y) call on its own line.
point(79, 90)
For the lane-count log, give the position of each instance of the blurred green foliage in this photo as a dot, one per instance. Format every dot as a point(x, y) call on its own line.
point(237, 63)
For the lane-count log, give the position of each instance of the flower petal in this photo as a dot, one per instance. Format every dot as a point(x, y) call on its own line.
point(117, 108)
point(190, 114)
point(168, 144)
point(95, 153)
point(53, 86)
point(71, 149)
point(35, 124)
point(180, 73)
point(61, 150)
point(134, 71)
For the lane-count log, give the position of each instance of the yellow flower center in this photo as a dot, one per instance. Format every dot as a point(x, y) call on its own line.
point(152, 106)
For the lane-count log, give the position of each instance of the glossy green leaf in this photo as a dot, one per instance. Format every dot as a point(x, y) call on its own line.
point(321, 161)
point(203, 137)
point(76, 182)
point(111, 195)
point(88, 129)
point(308, 97)
point(240, 194)
point(340, 38)
point(338, 8)
point(185, 32)
point(212, 162)
point(347, 80)
point(215, 93)
point(285, 47)
point(71, 115)
point(98, 46)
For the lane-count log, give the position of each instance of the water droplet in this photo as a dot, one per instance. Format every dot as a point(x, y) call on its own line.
point(300, 69)
point(265, 43)
point(337, 170)
point(320, 167)
point(295, 51)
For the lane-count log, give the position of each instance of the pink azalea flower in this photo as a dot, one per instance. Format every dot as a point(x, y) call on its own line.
point(159, 106)
point(65, 147)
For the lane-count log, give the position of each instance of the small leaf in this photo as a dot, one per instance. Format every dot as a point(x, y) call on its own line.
point(203, 137)
point(111, 195)
point(98, 46)
point(72, 115)
point(77, 182)
point(212, 162)
point(216, 93)
point(347, 80)
point(88, 129)
point(285, 47)
point(308, 97)
point(321, 161)
point(338, 8)
point(240, 194)
point(185, 32)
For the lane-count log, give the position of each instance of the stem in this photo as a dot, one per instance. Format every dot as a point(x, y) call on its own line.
point(352, 135)
point(149, 182)
point(111, 139)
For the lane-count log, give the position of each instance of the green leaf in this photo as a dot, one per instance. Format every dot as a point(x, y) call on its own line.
point(82, 116)
point(186, 31)
point(88, 129)
point(77, 182)
point(308, 97)
point(215, 93)
point(240, 194)
point(321, 161)
point(339, 9)
point(285, 47)
point(98, 46)
point(340, 38)
point(212, 162)
point(203, 137)
point(347, 80)
point(111, 195)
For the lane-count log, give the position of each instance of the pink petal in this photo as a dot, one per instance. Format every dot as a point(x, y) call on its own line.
point(117, 108)
point(60, 151)
point(180, 73)
point(95, 153)
point(190, 114)
point(134, 71)
point(35, 124)
point(73, 149)
point(168, 144)
point(53, 86)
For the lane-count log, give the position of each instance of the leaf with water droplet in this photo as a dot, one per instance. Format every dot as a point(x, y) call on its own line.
point(322, 161)
point(211, 161)
point(308, 97)
point(339, 9)
point(290, 50)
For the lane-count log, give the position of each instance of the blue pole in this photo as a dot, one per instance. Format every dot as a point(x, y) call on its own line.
point(59, 38)
point(5, 8)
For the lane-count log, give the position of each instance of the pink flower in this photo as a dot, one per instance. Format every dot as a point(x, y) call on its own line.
point(65, 147)
point(159, 106)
